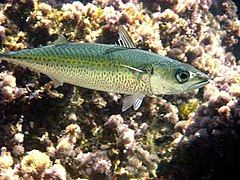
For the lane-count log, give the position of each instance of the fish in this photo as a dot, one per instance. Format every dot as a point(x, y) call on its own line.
point(118, 68)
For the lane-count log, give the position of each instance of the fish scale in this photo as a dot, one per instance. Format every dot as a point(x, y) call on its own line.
point(94, 66)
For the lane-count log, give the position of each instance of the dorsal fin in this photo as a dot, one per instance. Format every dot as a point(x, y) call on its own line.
point(124, 39)
point(60, 40)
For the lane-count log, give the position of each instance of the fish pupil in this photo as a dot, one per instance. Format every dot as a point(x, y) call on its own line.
point(182, 76)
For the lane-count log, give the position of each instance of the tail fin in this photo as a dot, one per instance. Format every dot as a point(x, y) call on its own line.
point(2, 56)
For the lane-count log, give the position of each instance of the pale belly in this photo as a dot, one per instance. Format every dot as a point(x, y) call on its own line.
point(105, 79)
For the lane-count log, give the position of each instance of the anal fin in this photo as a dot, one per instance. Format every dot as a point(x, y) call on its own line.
point(56, 82)
point(134, 100)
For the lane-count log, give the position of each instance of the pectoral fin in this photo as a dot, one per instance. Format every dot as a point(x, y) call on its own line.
point(142, 74)
point(134, 100)
point(133, 68)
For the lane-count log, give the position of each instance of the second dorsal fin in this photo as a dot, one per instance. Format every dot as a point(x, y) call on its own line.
point(124, 39)
point(60, 40)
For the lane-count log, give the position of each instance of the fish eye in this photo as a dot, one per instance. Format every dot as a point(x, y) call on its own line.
point(182, 76)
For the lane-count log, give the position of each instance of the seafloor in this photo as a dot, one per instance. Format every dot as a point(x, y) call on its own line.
point(72, 132)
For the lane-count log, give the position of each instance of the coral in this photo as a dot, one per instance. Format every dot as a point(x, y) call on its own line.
point(9, 88)
point(66, 143)
point(13, 38)
point(74, 133)
point(45, 17)
point(57, 171)
point(188, 108)
point(35, 165)
point(94, 163)
point(15, 42)
point(35, 162)
point(6, 160)
point(2, 31)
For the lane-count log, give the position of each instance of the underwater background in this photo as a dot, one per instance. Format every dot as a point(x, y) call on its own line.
point(72, 132)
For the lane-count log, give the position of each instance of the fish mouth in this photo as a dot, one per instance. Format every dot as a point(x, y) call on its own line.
point(200, 84)
point(191, 87)
point(205, 80)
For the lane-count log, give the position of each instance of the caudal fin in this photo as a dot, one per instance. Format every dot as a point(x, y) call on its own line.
point(2, 56)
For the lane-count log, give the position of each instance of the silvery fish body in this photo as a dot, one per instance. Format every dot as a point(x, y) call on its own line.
point(119, 69)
